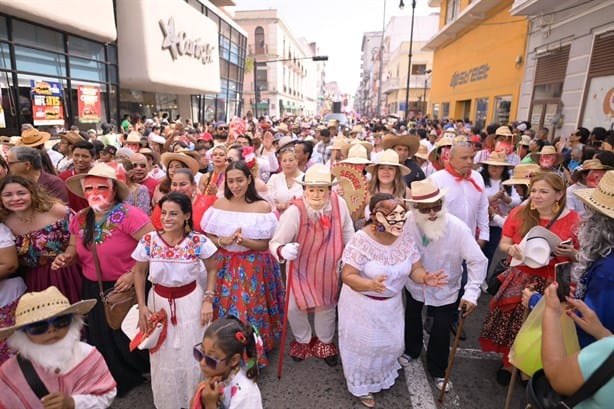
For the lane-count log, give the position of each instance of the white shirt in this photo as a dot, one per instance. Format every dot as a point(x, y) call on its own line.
point(573, 203)
point(279, 190)
point(447, 254)
point(464, 201)
point(500, 206)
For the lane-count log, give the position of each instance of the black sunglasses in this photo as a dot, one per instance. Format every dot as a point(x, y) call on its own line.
point(427, 210)
point(41, 327)
point(211, 362)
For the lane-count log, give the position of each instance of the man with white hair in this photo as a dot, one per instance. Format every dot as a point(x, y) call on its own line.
point(437, 232)
point(53, 368)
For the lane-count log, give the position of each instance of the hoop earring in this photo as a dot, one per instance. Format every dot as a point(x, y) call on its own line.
point(556, 207)
point(532, 206)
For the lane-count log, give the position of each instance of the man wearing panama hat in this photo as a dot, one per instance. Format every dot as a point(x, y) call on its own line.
point(437, 232)
point(46, 335)
point(406, 146)
point(312, 233)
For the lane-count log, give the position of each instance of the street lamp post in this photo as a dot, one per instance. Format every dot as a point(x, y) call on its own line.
point(411, 43)
point(427, 72)
point(381, 63)
point(257, 90)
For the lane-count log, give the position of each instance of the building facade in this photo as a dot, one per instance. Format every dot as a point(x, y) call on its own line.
point(478, 61)
point(142, 58)
point(292, 86)
point(366, 101)
point(569, 75)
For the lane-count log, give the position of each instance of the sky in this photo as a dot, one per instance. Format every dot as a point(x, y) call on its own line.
point(337, 27)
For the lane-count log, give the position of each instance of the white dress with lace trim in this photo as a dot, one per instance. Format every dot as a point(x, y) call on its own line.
point(255, 226)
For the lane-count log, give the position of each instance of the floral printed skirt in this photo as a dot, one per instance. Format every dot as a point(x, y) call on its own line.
point(249, 287)
point(7, 319)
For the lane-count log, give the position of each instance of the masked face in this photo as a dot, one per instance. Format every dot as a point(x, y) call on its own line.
point(99, 193)
point(393, 222)
point(504, 146)
point(317, 196)
point(546, 160)
point(594, 176)
point(445, 154)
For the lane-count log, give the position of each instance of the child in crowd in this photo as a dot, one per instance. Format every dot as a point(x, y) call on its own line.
point(228, 359)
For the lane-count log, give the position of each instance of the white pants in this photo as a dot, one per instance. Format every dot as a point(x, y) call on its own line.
point(324, 322)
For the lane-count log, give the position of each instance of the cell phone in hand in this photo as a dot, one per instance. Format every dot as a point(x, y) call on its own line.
point(568, 241)
point(562, 273)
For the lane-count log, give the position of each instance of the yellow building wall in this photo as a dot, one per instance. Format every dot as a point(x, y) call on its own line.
point(481, 63)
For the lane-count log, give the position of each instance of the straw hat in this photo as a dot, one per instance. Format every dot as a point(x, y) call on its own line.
point(338, 143)
point(345, 149)
point(282, 127)
point(388, 158)
point(444, 141)
point(332, 123)
point(317, 175)
point(525, 140)
point(5, 140)
point(593, 164)
point(423, 152)
point(522, 174)
point(356, 154)
point(102, 170)
point(411, 141)
point(133, 137)
point(181, 156)
point(39, 306)
point(286, 142)
point(425, 191)
point(33, 137)
point(548, 150)
point(72, 137)
point(504, 131)
point(357, 129)
point(600, 198)
point(497, 159)
point(536, 247)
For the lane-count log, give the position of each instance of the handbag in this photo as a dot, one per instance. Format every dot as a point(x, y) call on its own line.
point(116, 304)
point(153, 338)
point(540, 395)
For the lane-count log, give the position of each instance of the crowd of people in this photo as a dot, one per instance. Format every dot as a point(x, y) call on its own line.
point(234, 230)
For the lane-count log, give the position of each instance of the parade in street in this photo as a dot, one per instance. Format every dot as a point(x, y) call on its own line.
point(245, 204)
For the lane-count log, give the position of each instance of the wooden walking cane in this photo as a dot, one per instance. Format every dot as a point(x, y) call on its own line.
point(459, 330)
point(284, 330)
point(510, 388)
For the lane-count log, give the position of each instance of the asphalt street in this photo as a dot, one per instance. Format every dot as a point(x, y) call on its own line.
point(312, 384)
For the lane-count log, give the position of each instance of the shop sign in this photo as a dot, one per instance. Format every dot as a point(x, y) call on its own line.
point(88, 101)
point(178, 44)
point(599, 105)
point(47, 106)
point(471, 75)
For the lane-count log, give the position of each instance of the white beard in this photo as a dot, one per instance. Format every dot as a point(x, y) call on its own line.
point(315, 215)
point(51, 357)
point(432, 229)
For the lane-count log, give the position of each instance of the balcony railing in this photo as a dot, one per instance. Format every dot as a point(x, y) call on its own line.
point(263, 49)
point(391, 84)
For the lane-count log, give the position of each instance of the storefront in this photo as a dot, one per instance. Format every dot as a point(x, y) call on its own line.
point(61, 69)
point(478, 62)
point(569, 75)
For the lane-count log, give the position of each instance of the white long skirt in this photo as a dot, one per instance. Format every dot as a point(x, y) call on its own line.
point(370, 340)
point(174, 372)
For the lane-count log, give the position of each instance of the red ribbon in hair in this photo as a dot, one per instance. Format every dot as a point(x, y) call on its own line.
point(458, 177)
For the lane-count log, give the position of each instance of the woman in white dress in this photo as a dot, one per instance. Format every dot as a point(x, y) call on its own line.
point(282, 186)
point(376, 265)
point(184, 289)
point(248, 282)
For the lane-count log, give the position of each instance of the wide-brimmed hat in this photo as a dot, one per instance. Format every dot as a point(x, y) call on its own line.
point(282, 127)
point(504, 131)
point(40, 306)
point(423, 152)
point(133, 137)
point(600, 198)
point(411, 141)
point(357, 129)
point(286, 142)
point(536, 247)
point(548, 150)
point(525, 140)
point(72, 137)
point(101, 170)
point(317, 175)
point(444, 141)
point(338, 143)
point(345, 149)
point(332, 123)
point(157, 139)
point(181, 156)
point(593, 164)
point(425, 191)
point(388, 158)
point(33, 137)
point(522, 174)
point(357, 154)
point(497, 159)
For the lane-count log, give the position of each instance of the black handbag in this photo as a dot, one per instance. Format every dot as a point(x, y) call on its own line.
point(540, 394)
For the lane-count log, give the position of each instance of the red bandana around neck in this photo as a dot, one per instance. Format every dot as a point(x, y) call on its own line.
point(458, 177)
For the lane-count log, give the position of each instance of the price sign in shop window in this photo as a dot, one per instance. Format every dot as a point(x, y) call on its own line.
point(47, 108)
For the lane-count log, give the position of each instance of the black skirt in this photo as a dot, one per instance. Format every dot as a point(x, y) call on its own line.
point(126, 367)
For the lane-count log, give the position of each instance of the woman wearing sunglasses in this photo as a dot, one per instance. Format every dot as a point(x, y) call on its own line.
point(183, 275)
point(47, 331)
point(228, 358)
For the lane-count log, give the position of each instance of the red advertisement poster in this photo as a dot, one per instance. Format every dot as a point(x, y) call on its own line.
point(47, 106)
point(88, 97)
